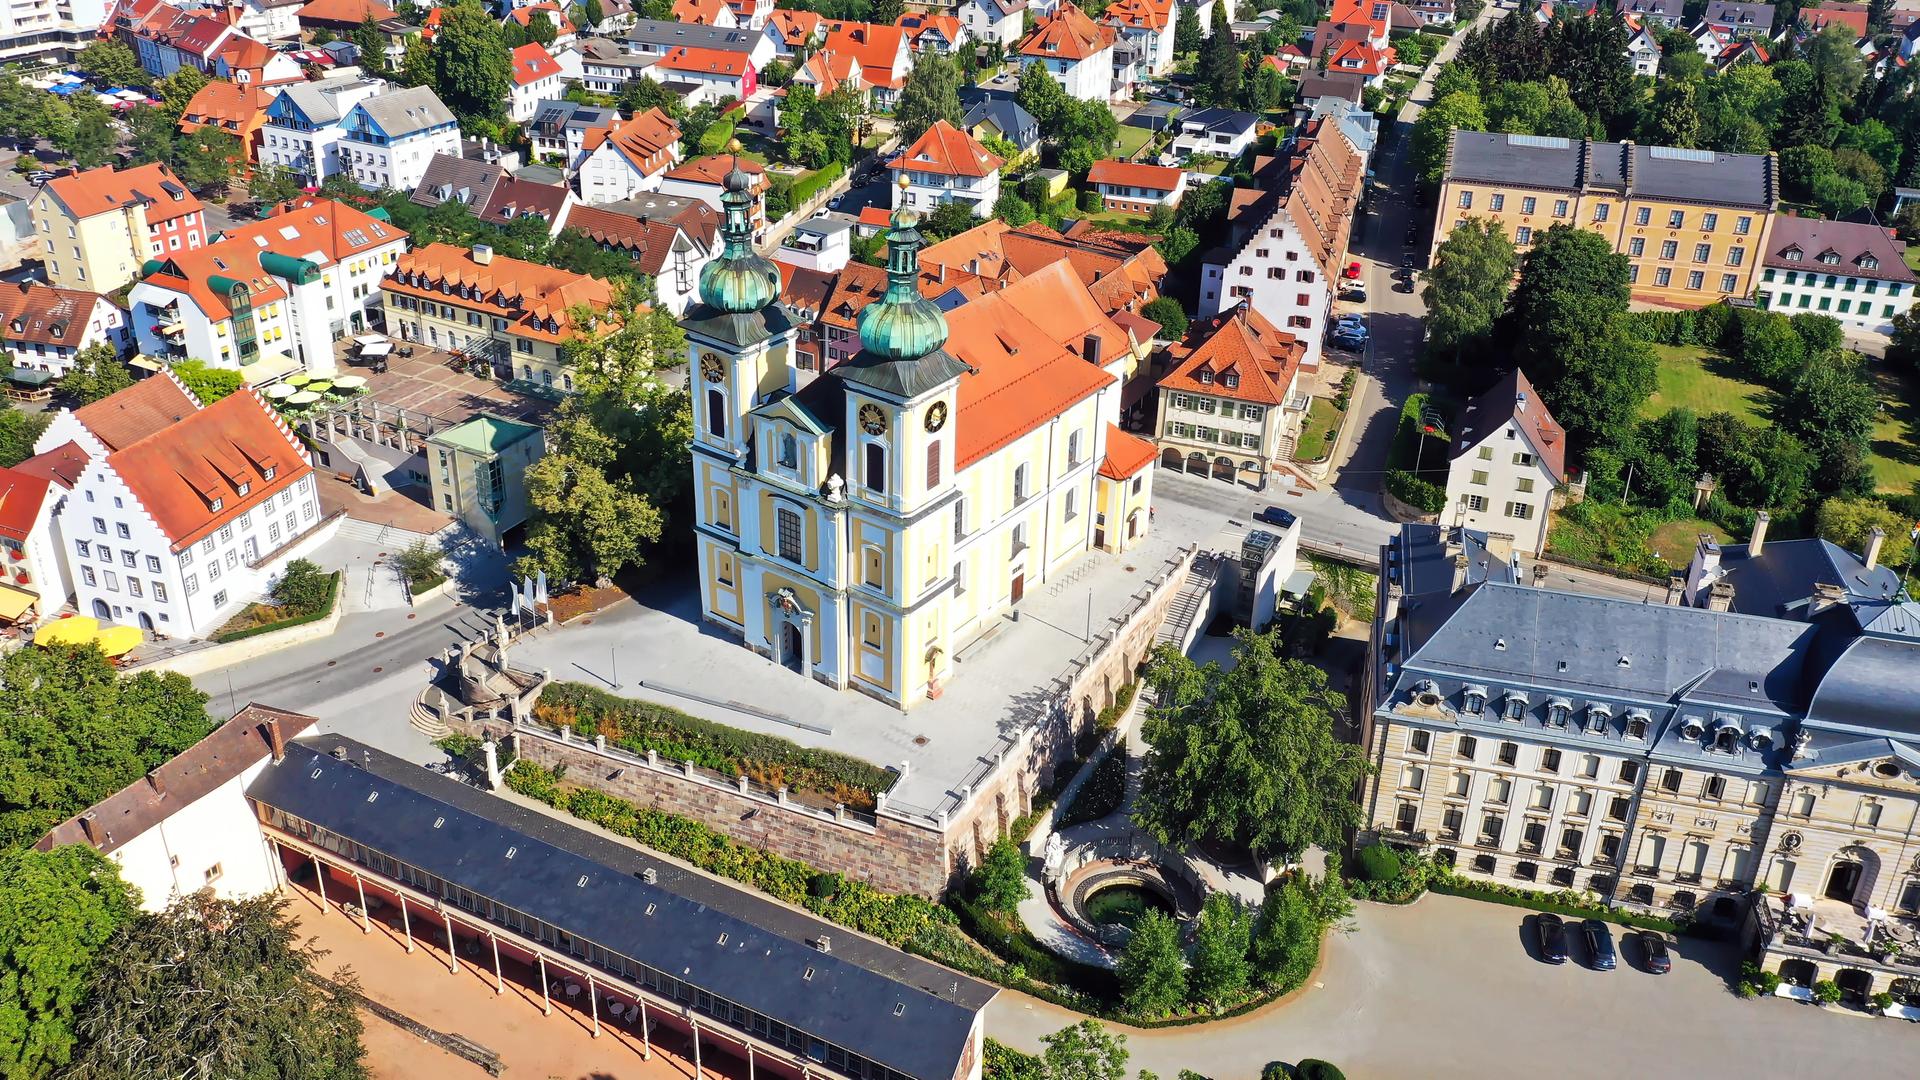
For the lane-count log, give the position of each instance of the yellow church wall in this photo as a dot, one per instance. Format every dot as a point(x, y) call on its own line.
point(770, 531)
point(720, 569)
point(773, 579)
point(872, 649)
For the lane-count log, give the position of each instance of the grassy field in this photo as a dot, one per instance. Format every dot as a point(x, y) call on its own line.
point(1675, 540)
point(1913, 256)
point(1696, 379)
point(1316, 435)
point(1132, 141)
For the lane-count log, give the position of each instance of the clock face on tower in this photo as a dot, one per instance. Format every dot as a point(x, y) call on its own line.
point(711, 367)
point(872, 420)
point(936, 416)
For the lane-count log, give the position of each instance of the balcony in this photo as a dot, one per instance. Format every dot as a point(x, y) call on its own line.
point(1688, 878)
point(1647, 872)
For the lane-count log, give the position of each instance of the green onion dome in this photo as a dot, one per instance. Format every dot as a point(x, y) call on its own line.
point(904, 325)
point(740, 281)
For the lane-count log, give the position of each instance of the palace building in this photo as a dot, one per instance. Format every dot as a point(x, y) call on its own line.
point(863, 525)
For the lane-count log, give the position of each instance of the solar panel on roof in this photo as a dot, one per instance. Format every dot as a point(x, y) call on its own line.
point(1676, 153)
point(1540, 142)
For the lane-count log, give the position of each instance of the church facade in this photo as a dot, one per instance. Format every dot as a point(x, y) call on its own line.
point(864, 525)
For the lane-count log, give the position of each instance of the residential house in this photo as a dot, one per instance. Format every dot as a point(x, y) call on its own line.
point(388, 139)
point(826, 72)
point(535, 77)
point(1231, 407)
point(564, 33)
point(558, 131)
point(1433, 12)
point(1507, 458)
point(720, 73)
point(944, 35)
point(1816, 18)
point(1214, 132)
point(1743, 51)
point(1148, 26)
point(1850, 270)
point(167, 39)
point(1287, 237)
point(606, 65)
point(43, 327)
point(1643, 49)
point(477, 472)
point(343, 16)
point(181, 515)
point(269, 20)
point(1710, 41)
point(752, 14)
point(243, 60)
point(882, 53)
point(187, 826)
point(655, 37)
point(705, 13)
point(1665, 14)
point(507, 312)
point(628, 159)
point(989, 21)
point(1359, 124)
point(303, 132)
point(944, 165)
point(819, 244)
point(33, 572)
point(456, 179)
point(1740, 18)
point(239, 109)
point(1002, 118)
point(1318, 85)
point(790, 31)
point(705, 178)
point(1075, 50)
point(670, 239)
point(1136, 189)
point(1693, 223)
point(97, 228)
point(1121, 271)
point(1361, 58)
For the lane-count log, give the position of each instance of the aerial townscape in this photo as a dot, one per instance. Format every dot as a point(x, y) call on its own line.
point(959, 539)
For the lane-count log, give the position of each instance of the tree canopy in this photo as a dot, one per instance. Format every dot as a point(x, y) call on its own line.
point(97, 372)
point(932, 92)
point(57, 910)
point(1467, 285)
point(471, 65)
point(1085, 1051)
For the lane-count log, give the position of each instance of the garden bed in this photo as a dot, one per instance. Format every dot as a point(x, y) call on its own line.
point(772, 762)
point(1105, 789)
point(1319, 431)
point(258, 618)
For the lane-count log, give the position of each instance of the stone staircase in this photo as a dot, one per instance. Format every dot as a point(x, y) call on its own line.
point(426, 720)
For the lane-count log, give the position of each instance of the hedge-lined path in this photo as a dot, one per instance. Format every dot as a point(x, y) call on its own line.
point(1448, 987)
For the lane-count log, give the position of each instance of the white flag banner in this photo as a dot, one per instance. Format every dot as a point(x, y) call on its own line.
point(540, 588)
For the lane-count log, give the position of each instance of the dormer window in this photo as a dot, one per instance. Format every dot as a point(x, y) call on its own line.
point(1868, 262)
point(1474, 701)
point(1830, 257)
point(1692, 728)
point(1515, 706)
point(269, 471)
point(1205, 376)
point(789, 456)
point(1598, 717)
point(1557, 712)
point(244, 487)
point(1637, 722)
point(218, 503)
point(1793, 254)
point(1230, 380)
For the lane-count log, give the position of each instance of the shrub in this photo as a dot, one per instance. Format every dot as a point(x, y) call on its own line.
point(1170, 315)
point(814, 182)
point(1422, 495)
point(1378, 862)
point(303, 588)
point(1276, 1070)
point(1109, 717)
point(716, 137)
point(1000, 881)
point(1315, 1069)
point(1883, 1001)
point(1564, 902)
point(1826, 992)
point(419, 565)
point(1002, 1062)
point(1091, 201)
point(257, 619)
point(1101, 794)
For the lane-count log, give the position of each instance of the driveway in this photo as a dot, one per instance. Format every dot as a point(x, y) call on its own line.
point(1449, 988)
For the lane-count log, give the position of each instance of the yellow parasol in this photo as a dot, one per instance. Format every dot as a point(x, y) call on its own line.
point(119, 640)
point(75, 631)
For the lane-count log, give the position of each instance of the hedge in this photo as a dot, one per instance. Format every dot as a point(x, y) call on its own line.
point(333, 595)
point(1003, 1062)
point(1420, 494)
point(716, 137)
point(640, 726)
point(1557, 903)
point(813, 183)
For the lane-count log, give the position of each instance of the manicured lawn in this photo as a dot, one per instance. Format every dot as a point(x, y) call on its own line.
point(1913, 256)
point(1132, 140)
point(1316, 436)
point(1675, 540)
point(1689, 379)
point(1896, 435)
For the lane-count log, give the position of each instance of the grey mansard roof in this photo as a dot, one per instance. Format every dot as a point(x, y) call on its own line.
point(1655, 172)
point(880, 1003)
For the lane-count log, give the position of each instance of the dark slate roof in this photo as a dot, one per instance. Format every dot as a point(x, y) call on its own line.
point(1340, 84)
point(1217, 119)
point(456, 174)
point(1535, 161)
point(1007, 115)
point(1667, 8)
point(1870, 687)
point(1731, 13)
point(1856, 244)
point(901, 378)
point(1659, 172)
point(664, 32)
point(1664, 172)
point(882, 1004)
point(1512, 397)
point(1781, 581)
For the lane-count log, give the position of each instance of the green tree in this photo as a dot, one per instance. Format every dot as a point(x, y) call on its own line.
point(1267, 89)
point(177, 89)
point(471, 65)
point(1740, 109)
point(1903, 350)
point(1170, 315)
point(91, 139)
point(213, 987)
point(1673, 118)
point(585, 525)
point(207, 158)
point(303, 588)
point(1186, 30)
point(1567, 322)
point(1217, 75)
point(592, 11)
point(1085, 1051)
point(932, 92)
point(1286, 936)
point(272, 184)
point(209, 384)
point(97, 372)
point(1838, 195)
point(1153, 975)
point(1831, 407)
point(1041, 96)
point(1433, 129)
point(1848, 523)
point(619, 360)
point(111, 64)
point(1247, 755)
point(888, 12)
point(1012, 209)
point(1466, 288)
point(1000, 882)
point(949, 219)
point(57, 910)
point(372, 43)
point(72, 732)
point(1220, 947)
point(18, 431)
point(417, 64)
point(151, 134)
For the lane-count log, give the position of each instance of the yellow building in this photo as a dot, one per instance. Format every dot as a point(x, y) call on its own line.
point(506, 312)
point(862, 527)
point(96, 229)
point(1694, 223)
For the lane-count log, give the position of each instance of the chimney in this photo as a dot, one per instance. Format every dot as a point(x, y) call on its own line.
point(276, 739)
point(153, 781)
point(1707, 554)
point(940, 272)
point(1539, 575)
point(1677, 589)
point(1090, 349)
point(1459, 571)
point(91, 828)
point(1875, 538)
point(1392, 612)
point(1759, 540)
point(483, 253)
point(1825, 595)
point(1720, 596)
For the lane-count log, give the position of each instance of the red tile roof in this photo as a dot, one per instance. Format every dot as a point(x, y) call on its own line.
point(1133, 174)
point(1851, 16)
point(45, 314)
point(325, 231)
point(793, 27)
point(230, 106)
point(1126, 454)
point(947, 150)
point(532, 62)
point(704, 61)
point(180, 474)
point(648, 241)
point(1513, 398)
point(346, 12)
point(876, 215)
point(524, 16)
point(63, 464)
point(1144, 14)
point(148, 406)
point(192, 272)
point(21, 496)
point(104, 189)
point(646, 140)
point(879, 50)
point(1240, 355)
point(918, 24)
point(1067, 34)
point(713, 169)
point(530, 293)
point(825, 71)
point(701, 12)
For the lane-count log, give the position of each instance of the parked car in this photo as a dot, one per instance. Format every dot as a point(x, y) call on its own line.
point(1351, 321)
point(1350, 342)
point(1599, 944)
point(39, 177)
point(1273, 515)
point(1355, 294)
point(1352, 271)
point(1653, 950)
point(1553, 937)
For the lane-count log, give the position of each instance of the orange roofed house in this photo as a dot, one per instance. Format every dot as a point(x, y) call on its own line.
point(536, 76)
point(1231, 407)
point(98, 227)
point(1075, 50)
point(239, 109)
point(512, 314)
point(883, 53)
point(628, 159)
point(1135, 188)
point(179, 515)
point(946, 165)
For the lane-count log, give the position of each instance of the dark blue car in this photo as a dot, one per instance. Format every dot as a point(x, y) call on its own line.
point(1553, 938)
point(1599, 944)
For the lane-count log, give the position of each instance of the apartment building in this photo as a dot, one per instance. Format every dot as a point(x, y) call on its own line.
point(558, 130)
point(180, 515)
point(670, 240)
point(33, 566)
point(1507, 458)
point(628, 159)
point(1287, 246)
point(97, 228)
point(511, 313)
point(1694, 224)
point(990, 21)
point(1148, 26)
point(946, 165)
point(304, 130)
point(536, 77)
point(657, 37)
point(1852, 271)
point(1075, 50)
point(43, 327)
point(388, 139)
point(1232, 407)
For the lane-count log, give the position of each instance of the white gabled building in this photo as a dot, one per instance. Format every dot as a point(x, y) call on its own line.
point(1075, 50)
point(43, 327)
point(32, 552)
point(946, 165)
point(187, 825)
point(1851, 271)
point(303, 129)
point(630, 159)
point(1509, 456)
point(1643, 51)
point(536, 77)
point(390, 138)
point(994, 20)
point(1148, 25)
